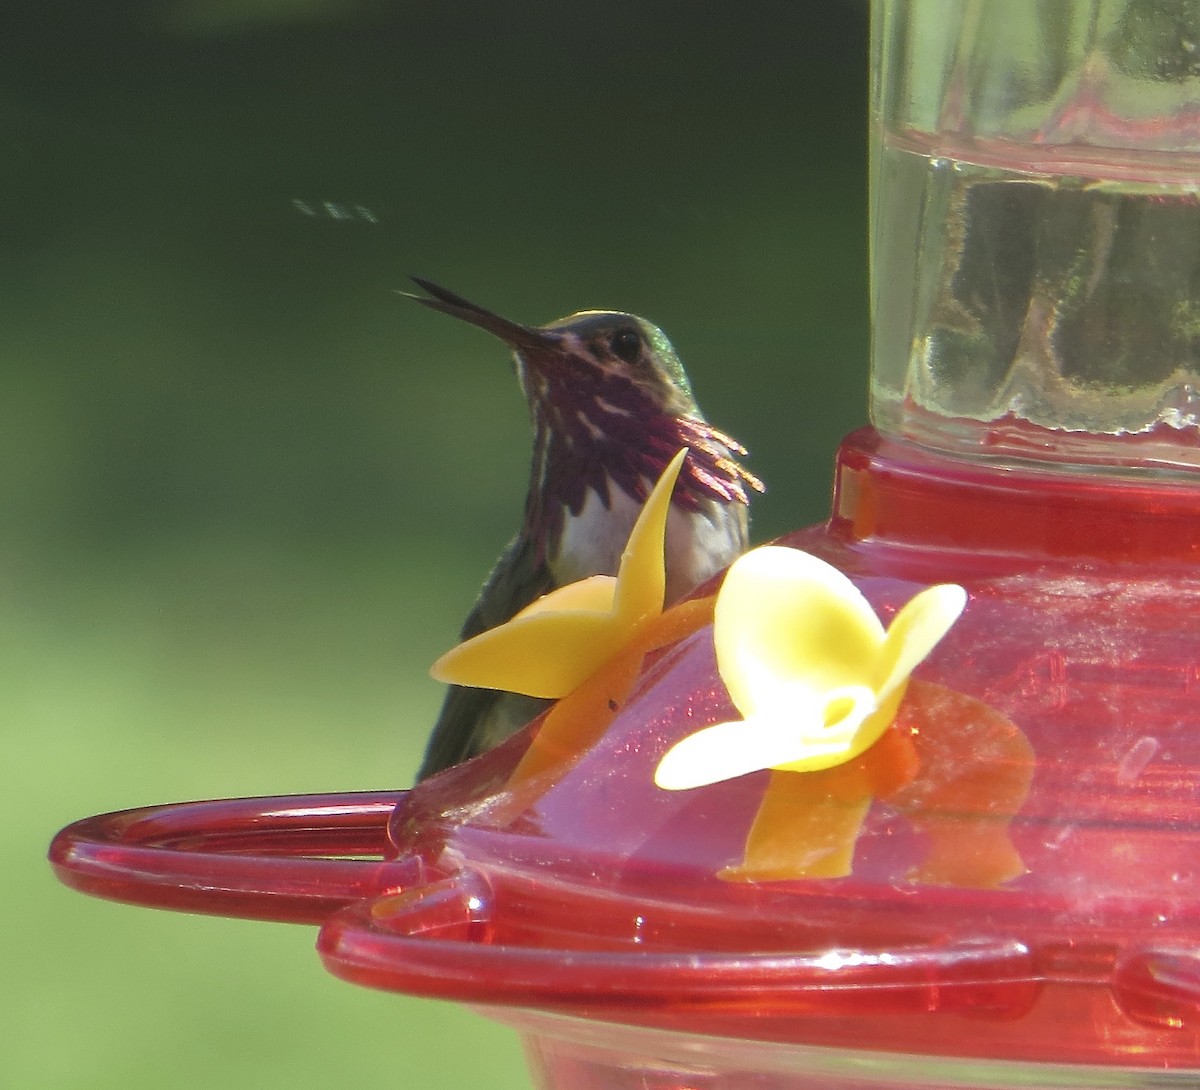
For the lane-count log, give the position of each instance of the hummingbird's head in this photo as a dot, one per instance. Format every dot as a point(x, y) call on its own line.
point(627, 356)
point(610, 404)
point(570, 363)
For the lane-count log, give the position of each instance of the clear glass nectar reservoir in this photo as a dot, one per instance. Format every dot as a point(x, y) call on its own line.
point(1036, 228)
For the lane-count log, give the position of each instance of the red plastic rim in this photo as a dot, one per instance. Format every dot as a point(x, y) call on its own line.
point(290, 858)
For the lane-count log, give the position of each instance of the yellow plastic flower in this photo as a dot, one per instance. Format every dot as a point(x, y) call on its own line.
point(808, 664)
point(555, 644)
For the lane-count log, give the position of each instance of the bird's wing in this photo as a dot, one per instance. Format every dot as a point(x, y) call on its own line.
point(471, 722)
point(474, 720)
point(516, 580)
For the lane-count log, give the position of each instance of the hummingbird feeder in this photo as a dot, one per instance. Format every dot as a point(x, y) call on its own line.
point(979, 865)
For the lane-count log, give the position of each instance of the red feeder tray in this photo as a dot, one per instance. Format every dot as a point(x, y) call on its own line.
point(1002, 892)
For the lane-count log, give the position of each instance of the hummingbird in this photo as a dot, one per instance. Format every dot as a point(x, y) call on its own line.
point(610, 405)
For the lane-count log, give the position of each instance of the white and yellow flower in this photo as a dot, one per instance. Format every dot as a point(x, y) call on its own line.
point(809, 665)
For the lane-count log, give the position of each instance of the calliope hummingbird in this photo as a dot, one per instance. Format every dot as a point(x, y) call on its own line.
point(610, 405)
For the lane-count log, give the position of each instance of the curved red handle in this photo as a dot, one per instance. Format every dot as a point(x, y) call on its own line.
point(277, 858)
point(473, 938)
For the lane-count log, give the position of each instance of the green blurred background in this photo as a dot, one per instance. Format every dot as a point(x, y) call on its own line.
point(248, 493)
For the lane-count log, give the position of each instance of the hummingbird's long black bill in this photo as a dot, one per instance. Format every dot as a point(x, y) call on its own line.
point(447, 302)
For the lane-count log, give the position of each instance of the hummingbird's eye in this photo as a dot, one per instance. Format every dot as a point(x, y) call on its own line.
point(626, 344)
